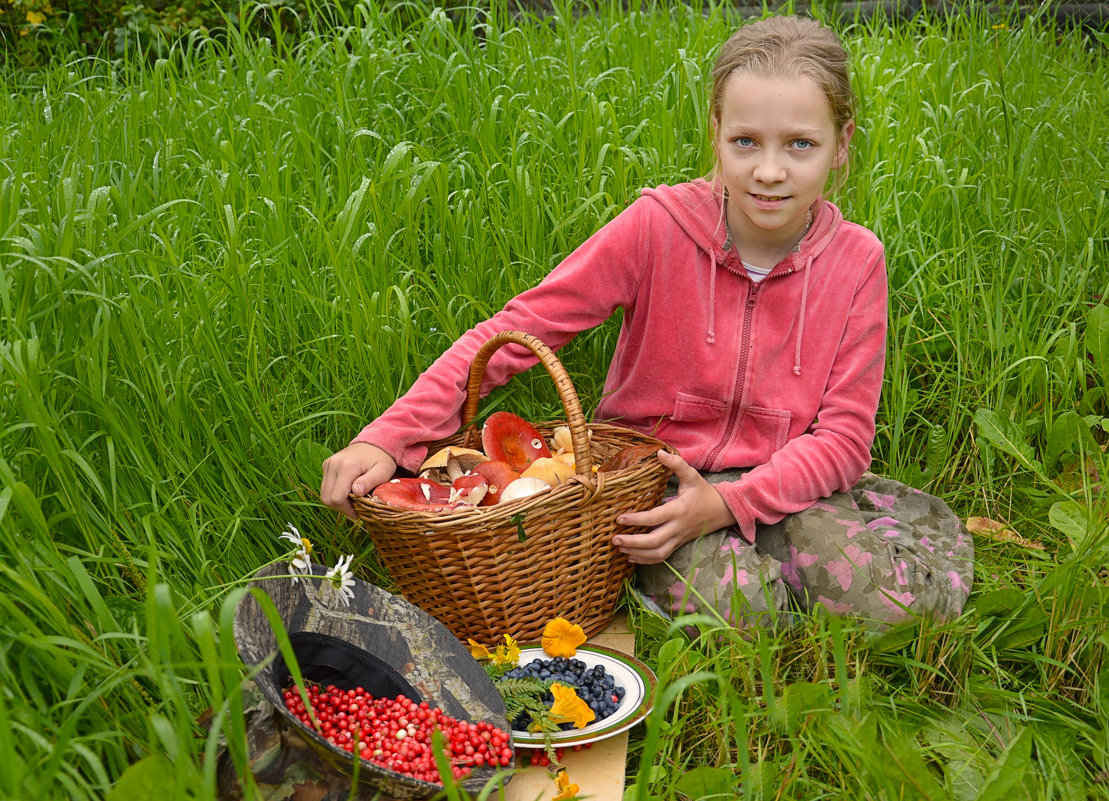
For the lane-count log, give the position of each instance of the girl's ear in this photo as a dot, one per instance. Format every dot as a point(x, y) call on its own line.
point(842, 144)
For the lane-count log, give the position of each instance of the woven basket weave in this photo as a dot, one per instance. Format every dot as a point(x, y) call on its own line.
point(509, 568)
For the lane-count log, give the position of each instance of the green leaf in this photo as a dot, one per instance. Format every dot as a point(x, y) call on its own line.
point(1012, 618)
point(1023, 629)
point(1097, 340)
point(518, 519)
point(1069, 434)
point(1071, 518)
point(1006, 435)
point(707, 782)
point(28, 506)
point(149, 779)
point(1101, 694)
point(800, 700)
point(669, 651)
point(1008, 774)
point(999, 602)
point(310, 456)
point(896, 638)
point(935, 455)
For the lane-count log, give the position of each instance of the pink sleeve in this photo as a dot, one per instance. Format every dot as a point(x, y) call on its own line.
point(580, 293)
point(833, 454)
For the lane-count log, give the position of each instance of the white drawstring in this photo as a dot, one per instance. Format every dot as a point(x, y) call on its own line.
point(801, 320)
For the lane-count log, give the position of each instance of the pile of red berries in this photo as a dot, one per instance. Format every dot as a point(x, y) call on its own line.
point(395, 733)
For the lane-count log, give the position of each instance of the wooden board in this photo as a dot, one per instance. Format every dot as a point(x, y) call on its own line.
point(598, 769)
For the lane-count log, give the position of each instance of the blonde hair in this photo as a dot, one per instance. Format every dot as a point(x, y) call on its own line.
point(789, 47)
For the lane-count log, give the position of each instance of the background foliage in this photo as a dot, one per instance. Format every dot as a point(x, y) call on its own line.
point(38, 31)
point(218, 263)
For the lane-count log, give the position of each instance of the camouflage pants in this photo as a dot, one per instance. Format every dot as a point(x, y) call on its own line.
point(882, 551)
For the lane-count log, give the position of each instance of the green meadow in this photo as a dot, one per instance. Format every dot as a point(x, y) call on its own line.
point(217, 266)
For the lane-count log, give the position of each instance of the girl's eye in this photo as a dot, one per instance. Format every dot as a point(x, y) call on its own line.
point(744, 141)
point(802, 144)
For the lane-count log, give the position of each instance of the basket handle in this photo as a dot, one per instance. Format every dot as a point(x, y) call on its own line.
point(579, 435)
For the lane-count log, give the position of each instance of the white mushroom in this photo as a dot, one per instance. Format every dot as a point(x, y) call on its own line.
point(522, 488)
point(561, 441)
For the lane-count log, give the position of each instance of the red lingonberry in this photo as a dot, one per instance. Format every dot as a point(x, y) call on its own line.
point(396, 733)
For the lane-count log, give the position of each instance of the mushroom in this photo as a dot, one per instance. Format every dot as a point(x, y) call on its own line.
point(561, 441)
point(469, 489)
point(417, 494)
point(499, 475)
point(522, 488)
point(551, 469)
point(629, 457)
point(566, 458)
point(449, 463)
point(509, 438)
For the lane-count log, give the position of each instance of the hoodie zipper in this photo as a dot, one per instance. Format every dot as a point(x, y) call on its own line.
point(744, 352)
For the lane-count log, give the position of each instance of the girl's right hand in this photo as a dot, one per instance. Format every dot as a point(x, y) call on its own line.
point(355, 470)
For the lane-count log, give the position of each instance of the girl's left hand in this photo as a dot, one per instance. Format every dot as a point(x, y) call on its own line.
point(696, 510)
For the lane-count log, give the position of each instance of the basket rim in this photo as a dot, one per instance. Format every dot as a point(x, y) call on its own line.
point(588, 486)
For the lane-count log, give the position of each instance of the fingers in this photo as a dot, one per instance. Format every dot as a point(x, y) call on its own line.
point(651, 517)
point(332, 490)
point(687, 477)
point(695, 510)
point(680, 466)
point(648, 548)
point(357, 469)
point(664, 535)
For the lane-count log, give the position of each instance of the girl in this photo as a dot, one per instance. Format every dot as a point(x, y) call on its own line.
point(753, 342)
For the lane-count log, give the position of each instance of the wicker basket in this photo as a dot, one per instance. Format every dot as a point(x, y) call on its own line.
point(510, 567)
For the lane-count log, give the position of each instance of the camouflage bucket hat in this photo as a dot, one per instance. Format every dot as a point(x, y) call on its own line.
point(379, 642)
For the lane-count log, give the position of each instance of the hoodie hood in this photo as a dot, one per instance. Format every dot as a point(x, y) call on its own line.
point(698, 207)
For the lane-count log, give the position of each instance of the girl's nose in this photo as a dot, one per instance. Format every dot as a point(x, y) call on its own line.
point(770, 168)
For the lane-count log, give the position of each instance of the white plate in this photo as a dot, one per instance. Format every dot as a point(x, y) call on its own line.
point(628, 672)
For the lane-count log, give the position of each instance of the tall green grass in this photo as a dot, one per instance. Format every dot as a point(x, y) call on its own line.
point(218, 266)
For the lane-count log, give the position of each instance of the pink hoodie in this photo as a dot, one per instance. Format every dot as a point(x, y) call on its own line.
point(782, 377)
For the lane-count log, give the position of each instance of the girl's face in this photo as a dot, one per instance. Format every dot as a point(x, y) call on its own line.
point(776, 144)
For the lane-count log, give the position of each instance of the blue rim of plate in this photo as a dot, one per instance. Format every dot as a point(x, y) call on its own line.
point(628, 672)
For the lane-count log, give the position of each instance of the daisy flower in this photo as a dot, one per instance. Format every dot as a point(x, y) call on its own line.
point(342, 579)
point(302, 558)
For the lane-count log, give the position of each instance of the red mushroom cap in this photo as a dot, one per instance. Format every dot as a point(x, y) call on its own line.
point(507, 437)
point(417, 494)
point(499, 475)
point(470, 489)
